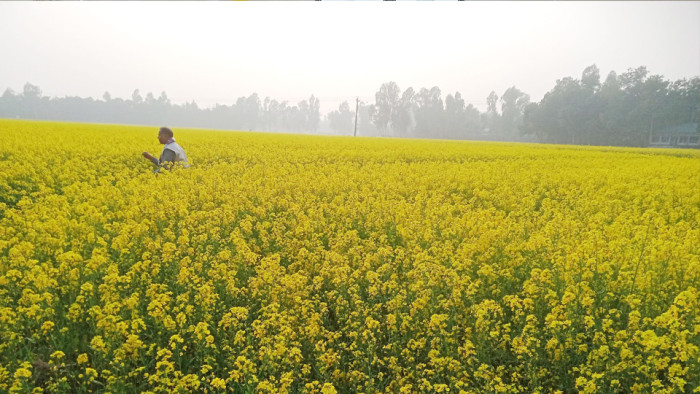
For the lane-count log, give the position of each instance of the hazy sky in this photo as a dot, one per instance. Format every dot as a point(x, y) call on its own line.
point(215, 52)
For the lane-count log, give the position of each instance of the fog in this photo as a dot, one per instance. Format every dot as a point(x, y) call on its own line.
point(216, 53)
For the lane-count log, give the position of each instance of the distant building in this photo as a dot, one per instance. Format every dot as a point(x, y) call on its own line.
point(682, 136)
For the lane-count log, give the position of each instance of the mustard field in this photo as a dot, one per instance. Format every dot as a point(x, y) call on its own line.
point(309, 264)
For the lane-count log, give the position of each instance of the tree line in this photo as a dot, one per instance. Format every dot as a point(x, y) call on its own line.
point(623, 110)
point(424, 114)
point(247, 113)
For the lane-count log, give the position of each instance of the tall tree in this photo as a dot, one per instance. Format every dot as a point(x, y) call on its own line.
point(10, 104)
point(684, 101)
point(472, 122)
point(314, 114)
point(430, 113)
point(513, 102)
point(613, 111)
point(492, 116)
point(365, 126)
point(402, 120)
point(590, 79)
point(342, 120)
point(31, 98)
point(136, 97)
point(643, 97)
point(558, 114)
point(386, 103)
point(455, 116)
point(251, 111)
point(590, 108)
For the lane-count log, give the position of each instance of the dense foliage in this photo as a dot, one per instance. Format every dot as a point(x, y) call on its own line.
point(247, 113)
point(320, 264)
point(624, 110)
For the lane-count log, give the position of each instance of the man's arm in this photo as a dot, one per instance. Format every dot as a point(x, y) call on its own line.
point(151, 158)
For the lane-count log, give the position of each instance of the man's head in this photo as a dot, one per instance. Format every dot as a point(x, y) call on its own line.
point(164, 134)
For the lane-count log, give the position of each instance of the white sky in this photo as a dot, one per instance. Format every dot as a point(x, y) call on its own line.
point(215, 52)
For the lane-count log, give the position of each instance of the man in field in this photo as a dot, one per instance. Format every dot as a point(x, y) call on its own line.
point(172, 152)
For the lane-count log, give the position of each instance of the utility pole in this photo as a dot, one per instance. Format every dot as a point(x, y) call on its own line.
point(357, 107)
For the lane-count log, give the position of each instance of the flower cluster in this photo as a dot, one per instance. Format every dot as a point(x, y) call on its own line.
point(289, 263)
